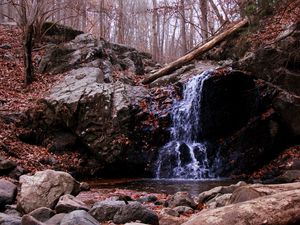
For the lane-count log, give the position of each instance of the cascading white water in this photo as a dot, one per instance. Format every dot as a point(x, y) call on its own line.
point(184, 157)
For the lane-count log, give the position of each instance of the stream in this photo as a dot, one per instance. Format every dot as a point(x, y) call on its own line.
point(165, 186)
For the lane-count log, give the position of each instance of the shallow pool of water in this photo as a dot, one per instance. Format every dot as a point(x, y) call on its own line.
point(167, 186)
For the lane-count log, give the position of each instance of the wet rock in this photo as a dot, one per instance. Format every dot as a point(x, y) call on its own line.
point(106, 210)
point(284, 208)
point(181, 199)
point(8, 192)
point(42, 214)
point(135, 212)
point(69, 203)
point(243, 194)
point(183, 209)
point(56, 219)
point(44, 189)
point(9, 219)
point(79, 217)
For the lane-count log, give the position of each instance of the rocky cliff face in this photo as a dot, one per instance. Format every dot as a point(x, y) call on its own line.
point(247, 117)
point(97, 108)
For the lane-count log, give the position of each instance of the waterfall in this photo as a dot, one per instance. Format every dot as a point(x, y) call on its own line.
point(183, 156)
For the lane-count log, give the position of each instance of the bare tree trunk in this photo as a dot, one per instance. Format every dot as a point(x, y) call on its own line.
point(193, 54)
point(183, 30)
point(154, 31)
point(203, 21)
point(28, 45)
point(216, 10)
point(121, 30)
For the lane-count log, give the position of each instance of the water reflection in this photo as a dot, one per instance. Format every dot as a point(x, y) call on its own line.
point(167, 186)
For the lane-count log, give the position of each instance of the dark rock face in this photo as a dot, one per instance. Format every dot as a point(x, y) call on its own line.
point(278, 65)
point(227, 103)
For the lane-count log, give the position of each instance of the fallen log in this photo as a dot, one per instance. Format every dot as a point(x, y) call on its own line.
point(195, 53)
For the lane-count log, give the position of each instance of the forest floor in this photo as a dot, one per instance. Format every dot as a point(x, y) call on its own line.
point(16, 98)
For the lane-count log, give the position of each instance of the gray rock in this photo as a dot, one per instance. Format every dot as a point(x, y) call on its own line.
point(106, 210)
point(243, 194)
point(8, 192)
point(30, 220)
point(9, 219)
point(219, 200)
point(181, 199)
point(106, 112)
point(44, 189)
point(149, 198)
point(135, 211)
point(42, 214)
point(183, 209)
point(170, 212)
point(207, 195)
point(68, 203)
point(79, 217)
point(56, 219)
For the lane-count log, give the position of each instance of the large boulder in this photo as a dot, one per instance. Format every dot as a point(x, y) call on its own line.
point(44, 189)
point(85, 49)
point(8, 192)
point(280, 209)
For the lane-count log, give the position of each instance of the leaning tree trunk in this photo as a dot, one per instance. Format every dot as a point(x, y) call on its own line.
point(28, 45)
point(194, 54)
